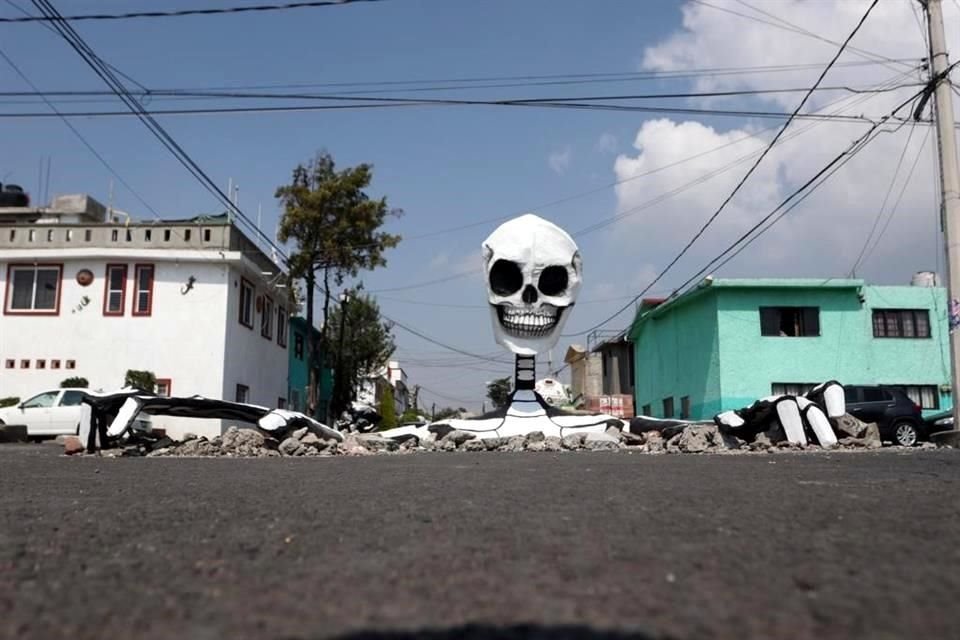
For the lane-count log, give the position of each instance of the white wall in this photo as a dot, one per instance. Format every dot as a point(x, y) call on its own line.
point(249, 358)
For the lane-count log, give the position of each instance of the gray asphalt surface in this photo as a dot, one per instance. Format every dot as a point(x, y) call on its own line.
point(579, 545)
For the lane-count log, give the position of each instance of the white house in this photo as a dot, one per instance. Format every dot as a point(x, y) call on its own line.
point(194, 301)
point(371, 388)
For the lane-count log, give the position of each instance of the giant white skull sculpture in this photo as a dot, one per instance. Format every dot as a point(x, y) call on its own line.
point(533, 272)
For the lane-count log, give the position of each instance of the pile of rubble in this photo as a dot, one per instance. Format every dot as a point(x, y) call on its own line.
point(686, 438)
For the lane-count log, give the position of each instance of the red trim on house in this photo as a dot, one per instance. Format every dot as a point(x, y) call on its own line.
point(253, 294)
point(6, 294)
point(136, 289)
point(168, 382)
point(106, 289)
point(266, 330)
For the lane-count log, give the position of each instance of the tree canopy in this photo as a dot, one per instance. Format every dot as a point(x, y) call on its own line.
point(367, 344)
point(498, 391)
point(336, 226)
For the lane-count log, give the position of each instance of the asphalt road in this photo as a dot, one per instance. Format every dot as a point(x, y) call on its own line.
point(580, 545)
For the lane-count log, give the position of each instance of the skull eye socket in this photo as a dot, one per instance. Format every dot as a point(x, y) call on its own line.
point(506, 278)
point(553, 281)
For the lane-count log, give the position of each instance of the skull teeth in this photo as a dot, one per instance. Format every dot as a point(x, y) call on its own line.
point(527, 324)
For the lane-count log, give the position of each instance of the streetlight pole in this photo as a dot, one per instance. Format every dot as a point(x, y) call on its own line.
point(949, 183)
point(344, 305)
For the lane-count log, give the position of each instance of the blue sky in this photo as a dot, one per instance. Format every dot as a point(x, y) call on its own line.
point(445, 166)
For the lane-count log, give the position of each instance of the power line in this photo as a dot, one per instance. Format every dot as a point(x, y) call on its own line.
point(387, 103)
point(896, 204)
point(841, 158)
point(753, 167)
point(77, 43)
point(187, 12)
point(787, 26)
point(883, 204)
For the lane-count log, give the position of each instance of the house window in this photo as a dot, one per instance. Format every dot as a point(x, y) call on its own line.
point(791, 388)
point(87, 235)
point(668, 407)
point(115, 290)
point(148, 235)
point(901, 323)
point(129, 235)
point(281, 403)
point(298, 345)
point(926, 396)
point(41, 364)
point(166, 235)
point(143, 290)
point(243, 393)
point(54, 364)
point(646, 410)
point(685, 407)
point(282, 326)
point(33, 289)
point(24, 364)
point(114, 235)
point(10, 364)
point(792, 322)
point(246, 304)
point(186, 235)
point(69, 235)
point(50, 235)
point(295, 400)
point(71, 364)
point(164, 386)
point(206, 235)
point(266, 319)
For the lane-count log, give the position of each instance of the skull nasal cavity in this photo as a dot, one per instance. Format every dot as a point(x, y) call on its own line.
point(530, 294)
point(506, 278)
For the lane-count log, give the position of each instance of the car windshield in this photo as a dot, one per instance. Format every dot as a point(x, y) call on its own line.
point(41, 401)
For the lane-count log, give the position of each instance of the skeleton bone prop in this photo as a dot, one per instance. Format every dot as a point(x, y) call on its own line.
point(533, 273)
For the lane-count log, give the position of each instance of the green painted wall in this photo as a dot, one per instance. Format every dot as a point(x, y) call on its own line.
point(710, 348)
point(298, 366)
point(677, 355)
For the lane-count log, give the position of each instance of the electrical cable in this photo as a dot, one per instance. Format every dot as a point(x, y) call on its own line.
point(796, 193)
point(188, 12)
point(766, 151)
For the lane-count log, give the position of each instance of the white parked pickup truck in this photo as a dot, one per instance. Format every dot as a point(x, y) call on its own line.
point(50, 413)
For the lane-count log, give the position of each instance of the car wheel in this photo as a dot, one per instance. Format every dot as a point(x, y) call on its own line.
point(905, 434)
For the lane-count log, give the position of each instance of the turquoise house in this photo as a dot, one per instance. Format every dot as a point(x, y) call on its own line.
point(728, 342)
point(297, 373)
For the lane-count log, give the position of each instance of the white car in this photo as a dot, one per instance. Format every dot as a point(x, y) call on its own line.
point(50, 413)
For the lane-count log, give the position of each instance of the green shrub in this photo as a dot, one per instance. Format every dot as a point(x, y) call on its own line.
point(9, 402)
point(388, 410)
point(143, 380)
point(76, 382)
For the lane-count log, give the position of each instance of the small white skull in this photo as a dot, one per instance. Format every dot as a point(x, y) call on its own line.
point(533, 272)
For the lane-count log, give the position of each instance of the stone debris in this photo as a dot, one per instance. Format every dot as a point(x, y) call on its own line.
point(694, 438)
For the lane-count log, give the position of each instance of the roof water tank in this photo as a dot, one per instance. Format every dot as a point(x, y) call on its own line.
point(925, 279)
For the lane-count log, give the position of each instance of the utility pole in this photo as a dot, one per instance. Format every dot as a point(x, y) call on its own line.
point(949, 184)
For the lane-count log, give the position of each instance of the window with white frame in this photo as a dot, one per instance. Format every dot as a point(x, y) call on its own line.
point(33, 289)
point(115, 289)
point(266, 319)
point(143, 290)
point(246, 304)
point(282, 326)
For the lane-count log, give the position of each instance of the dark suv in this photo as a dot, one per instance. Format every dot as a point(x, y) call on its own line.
point(898, 418)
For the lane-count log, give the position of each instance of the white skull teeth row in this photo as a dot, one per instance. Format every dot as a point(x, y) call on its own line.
point(530, 324)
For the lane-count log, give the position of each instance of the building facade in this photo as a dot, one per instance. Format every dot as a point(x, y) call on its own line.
point(299, 379)
point(728, 342)
point(193, 301)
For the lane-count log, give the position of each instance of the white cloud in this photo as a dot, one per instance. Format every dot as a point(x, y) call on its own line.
point(606, 143)
point(559, 161)
point(824, 234)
